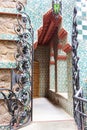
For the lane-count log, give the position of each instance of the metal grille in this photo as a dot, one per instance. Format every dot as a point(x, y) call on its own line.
point(78, 100)
point(18, 99)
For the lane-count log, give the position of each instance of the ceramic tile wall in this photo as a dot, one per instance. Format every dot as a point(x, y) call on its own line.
point(67, 14)
point(36, 9)
point(61, 73)
point(52, 77)
point(82, 38)
point(62, 76)
point(41, 55)
point(82, 19)
point(82, 50)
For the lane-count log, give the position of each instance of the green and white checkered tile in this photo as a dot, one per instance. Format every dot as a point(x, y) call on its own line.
point(82, 19)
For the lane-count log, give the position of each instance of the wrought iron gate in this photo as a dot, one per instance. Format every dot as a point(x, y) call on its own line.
point(18, 98)
point(78, 100)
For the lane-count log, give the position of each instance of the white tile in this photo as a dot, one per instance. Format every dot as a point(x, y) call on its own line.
point(80, 37)
point(79, 13)
point(79, 27)
point(84, 22)
point(84, 32)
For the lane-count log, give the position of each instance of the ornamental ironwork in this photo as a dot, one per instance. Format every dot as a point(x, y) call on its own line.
point(77, 91)
point(18, 98)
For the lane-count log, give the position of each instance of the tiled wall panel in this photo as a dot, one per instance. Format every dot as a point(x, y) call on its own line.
point(41, 55)
point(67, 13)
point(62, 76)
point(82, 39)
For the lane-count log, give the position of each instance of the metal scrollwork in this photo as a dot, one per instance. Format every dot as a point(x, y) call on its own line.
point(24, 59)
point(75, 59)
point(18, 99)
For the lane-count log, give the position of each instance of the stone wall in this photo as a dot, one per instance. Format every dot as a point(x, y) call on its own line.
point(57, 99)
point(7, 47)
point(7, 51)
point(10, 3)
point(7, 23)
point(4, 115)
point(5, 78)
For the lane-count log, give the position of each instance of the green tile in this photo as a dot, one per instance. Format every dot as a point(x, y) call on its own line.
point(78, 0)
point(80, 31)
point(8, 65)
point(85, 37)
point(84, 14)
point(84, 27)
point(79, 22)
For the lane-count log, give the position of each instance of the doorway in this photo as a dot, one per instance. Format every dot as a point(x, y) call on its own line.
point(36, 80)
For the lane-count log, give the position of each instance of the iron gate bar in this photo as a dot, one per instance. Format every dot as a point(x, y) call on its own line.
point(19, 100)
point(80, 99)
point(75, 72)
point(78, 92)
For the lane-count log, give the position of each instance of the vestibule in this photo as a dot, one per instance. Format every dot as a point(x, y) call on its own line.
point(53, 54)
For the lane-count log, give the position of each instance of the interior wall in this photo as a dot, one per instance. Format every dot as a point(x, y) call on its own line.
point(41, 55)
point(56, 97)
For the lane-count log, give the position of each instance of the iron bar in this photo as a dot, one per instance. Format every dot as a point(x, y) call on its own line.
point(77, 91)
point(18, 98)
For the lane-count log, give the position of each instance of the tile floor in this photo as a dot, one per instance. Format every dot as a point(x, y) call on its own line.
point(43, 110)
point(61, 125)
point(46, 116)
